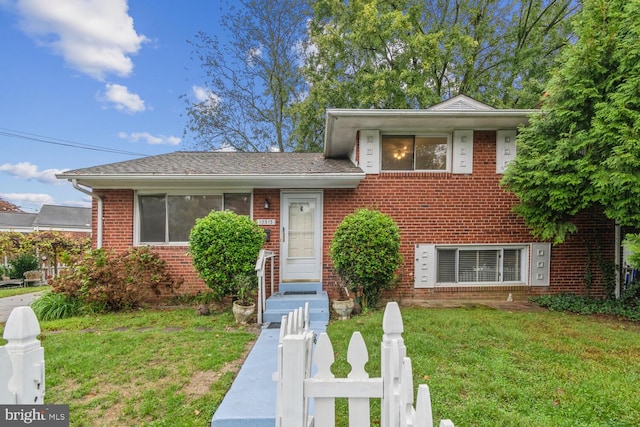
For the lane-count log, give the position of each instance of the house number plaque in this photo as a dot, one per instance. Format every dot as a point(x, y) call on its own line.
point(266, 221)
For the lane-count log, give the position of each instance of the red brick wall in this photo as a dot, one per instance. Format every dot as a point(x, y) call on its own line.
point(437, 208)
point(443, 208)
point(117, 218)
point(118, 233)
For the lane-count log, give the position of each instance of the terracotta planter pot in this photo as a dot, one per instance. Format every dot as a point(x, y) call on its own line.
point(243, 313)
point(343, 308)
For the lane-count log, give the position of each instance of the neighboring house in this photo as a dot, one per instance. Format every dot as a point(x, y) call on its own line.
point(71, 221)
point(17, 221)
point(50, 218)
point(436, 172)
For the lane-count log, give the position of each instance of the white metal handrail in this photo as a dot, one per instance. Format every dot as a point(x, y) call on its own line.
point(263, 256)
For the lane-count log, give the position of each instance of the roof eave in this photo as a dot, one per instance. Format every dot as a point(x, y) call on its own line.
point(176, 181)
point(342, 124)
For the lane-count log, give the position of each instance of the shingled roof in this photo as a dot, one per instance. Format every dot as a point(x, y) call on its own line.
point(223, 163)
point(64, 217)
point(233, 168)
point(50, 217)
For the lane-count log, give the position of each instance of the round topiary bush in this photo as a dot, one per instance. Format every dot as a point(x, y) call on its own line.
point(224, 246)
point(365, 252)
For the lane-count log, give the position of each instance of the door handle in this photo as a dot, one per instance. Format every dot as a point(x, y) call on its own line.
point(283, 235)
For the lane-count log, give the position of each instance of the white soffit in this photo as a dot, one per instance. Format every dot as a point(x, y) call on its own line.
point(343, 124)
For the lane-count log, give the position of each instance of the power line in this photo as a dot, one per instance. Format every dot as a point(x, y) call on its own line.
point(64, 142)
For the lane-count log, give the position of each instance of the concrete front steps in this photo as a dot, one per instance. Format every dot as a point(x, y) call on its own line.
point(294, 295)
point(251, 400)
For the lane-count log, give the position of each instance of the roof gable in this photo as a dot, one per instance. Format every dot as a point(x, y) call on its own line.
point(461, 103)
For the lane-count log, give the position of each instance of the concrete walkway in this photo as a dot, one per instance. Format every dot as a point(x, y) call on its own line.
point(9, 303)
point(251, 400)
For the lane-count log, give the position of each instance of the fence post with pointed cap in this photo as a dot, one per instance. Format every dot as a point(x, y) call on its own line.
point(26, 355)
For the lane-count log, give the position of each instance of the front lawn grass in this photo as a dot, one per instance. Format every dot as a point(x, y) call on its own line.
point(10, 292)
point(145, 367)
point(488, 367)
point(484, 367)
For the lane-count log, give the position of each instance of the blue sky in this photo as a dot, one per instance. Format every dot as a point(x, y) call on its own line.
point(107, 74)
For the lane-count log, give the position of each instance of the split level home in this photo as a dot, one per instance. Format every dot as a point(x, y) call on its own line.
point(436, 172)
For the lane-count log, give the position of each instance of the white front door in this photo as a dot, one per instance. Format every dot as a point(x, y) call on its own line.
point(301, 238)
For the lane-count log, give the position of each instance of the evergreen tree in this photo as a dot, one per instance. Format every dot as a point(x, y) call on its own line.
point(584, 148)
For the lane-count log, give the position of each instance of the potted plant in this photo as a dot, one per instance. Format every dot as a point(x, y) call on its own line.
point(243, 304)
point(343, 304)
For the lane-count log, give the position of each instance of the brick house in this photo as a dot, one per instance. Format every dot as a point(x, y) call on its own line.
point(436, 172)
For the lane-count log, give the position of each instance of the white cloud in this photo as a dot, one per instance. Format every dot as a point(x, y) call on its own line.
point(226, 148)
point(28, 171)
point(28, 200)
point(151, 139)
point(122, 99)
point(204, 95)
point(96, 37)
point(254, 54)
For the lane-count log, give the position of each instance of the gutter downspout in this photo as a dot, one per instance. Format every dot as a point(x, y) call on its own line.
point(100, 209)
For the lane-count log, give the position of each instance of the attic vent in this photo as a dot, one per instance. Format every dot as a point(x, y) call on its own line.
point(462, 103)
point(460, 106)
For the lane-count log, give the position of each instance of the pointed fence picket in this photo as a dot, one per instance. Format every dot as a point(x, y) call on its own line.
point(22, 360)
point(296, 386)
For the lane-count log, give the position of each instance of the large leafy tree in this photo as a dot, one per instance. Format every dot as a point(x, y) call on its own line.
point(583, 150)
point(415, 53)
point(252, 77)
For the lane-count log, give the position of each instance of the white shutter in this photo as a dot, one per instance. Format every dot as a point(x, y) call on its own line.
point(463, 151)
point(370, 151)
point(505, 149)
point(540, 264)
point(425, 267)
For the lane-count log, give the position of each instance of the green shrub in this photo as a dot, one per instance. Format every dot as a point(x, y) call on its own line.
point(589, 305)
point(54, 306)
point(632, 243)
point(365, 252)
point(631, 296)
point(108, 281)
point(21, 264)
point(223, 246)
point(4, 270)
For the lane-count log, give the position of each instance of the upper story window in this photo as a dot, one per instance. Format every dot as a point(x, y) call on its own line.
point(415, 152)
point(169, 218)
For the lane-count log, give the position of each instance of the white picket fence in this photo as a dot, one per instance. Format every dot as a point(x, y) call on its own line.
point(296, 386)
point(21, 360)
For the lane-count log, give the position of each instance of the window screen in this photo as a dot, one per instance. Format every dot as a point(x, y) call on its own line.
point(431, 153)
point(153, 218)
point(183, 211)
point(495, 265)
point(170, 218)
point(397, 152)
point(410, 152)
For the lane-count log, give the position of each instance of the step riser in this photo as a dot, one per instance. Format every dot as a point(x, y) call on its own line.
point(301, 286)
point(276, 316)
point(279, 304)
point(293, 303)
